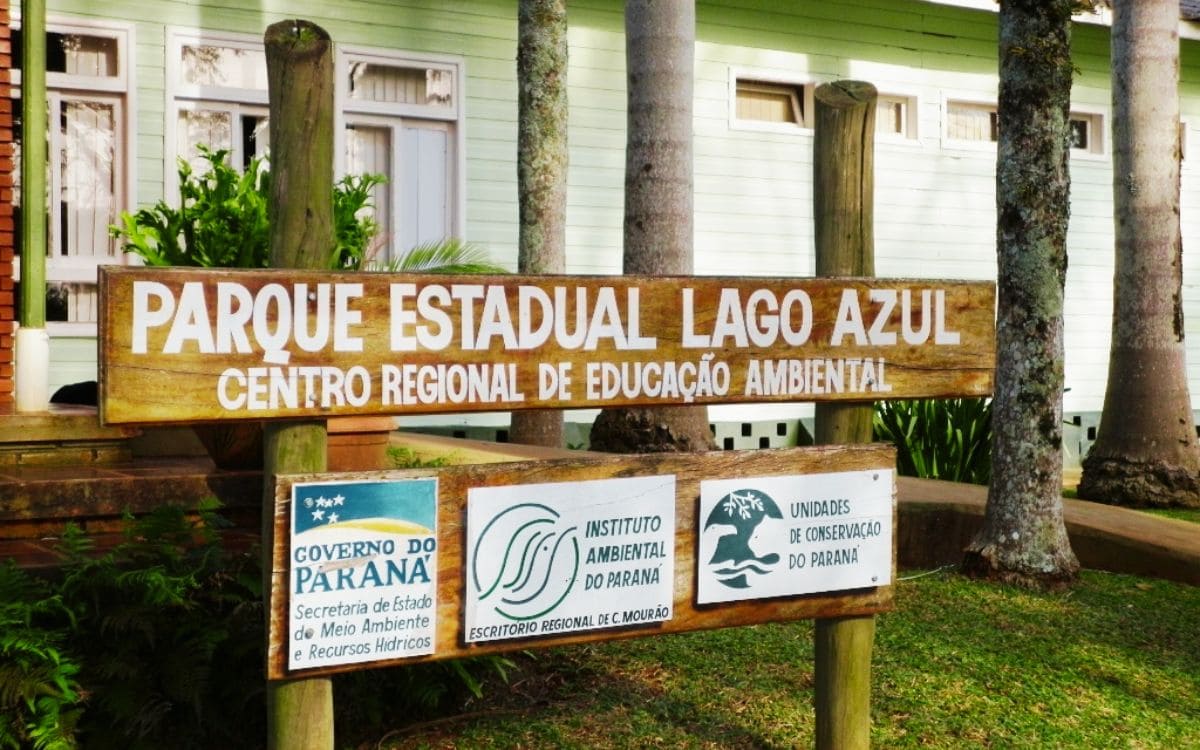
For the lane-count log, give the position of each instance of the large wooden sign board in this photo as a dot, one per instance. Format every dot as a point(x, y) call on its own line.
point(395, 567)
point(194, 345)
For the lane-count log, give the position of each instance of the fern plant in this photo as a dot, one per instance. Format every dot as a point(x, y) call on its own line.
point(221, 219)
point(159, 643)
point(40, 697)
point(948, 439)
point(169, 632)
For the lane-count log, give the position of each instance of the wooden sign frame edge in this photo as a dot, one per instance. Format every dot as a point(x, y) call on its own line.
point(689, 470)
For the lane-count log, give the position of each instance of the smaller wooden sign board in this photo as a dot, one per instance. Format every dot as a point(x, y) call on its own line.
point(382, 568)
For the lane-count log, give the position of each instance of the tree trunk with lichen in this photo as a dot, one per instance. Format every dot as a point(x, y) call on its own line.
point(659, 62)
point(1146, 452)
point(300, 92)
point(1023, 538)
point(541, 170)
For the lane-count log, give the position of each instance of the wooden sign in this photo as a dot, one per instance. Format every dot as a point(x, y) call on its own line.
point(193, 345)
point(395, 567)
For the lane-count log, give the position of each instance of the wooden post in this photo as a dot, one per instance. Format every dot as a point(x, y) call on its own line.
point(300, 85)
point(843, 205)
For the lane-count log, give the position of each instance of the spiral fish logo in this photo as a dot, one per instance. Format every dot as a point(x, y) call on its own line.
point(744, 510)
point(524, 563)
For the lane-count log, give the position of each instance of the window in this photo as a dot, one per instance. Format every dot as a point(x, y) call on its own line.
point(220, 101)
point(399, 116)
point(86, 83)
point(401, 120)
point(760, 103)
point(770, 102)
point(896, 116)
point(969, 121)
point(1087, 133)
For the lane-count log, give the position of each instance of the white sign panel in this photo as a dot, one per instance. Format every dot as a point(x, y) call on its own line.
point(363, 578)
point(569, 556)
point(765, 537)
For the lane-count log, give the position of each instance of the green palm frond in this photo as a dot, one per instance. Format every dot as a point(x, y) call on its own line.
point(450, 255)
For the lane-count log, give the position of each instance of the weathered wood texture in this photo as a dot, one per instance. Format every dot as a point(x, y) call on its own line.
point(300, 87)
point(155, 386)
point(844, 178)
point(844, 218)
point(689, 470)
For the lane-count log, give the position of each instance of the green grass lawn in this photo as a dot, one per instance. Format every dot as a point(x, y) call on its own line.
point(1182, 514)
point(1114, 663)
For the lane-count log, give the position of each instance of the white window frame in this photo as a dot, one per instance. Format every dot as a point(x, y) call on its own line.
point(118, 88)
point(348, 55)
point(178, 38)
point(911, 134)
point(804, 86)
point(181, 97)
point(1097, 119)
point(235, 110)
point(965, 144)
point(376, 114)
point(241, 101)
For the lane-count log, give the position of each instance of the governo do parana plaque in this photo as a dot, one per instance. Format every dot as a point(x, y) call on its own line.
point(194, 345)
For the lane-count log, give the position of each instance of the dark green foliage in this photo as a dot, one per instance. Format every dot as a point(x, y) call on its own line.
point(948, 439)
point(159, 644)
point(40, 699)
point(221, 220)
point(168, 629)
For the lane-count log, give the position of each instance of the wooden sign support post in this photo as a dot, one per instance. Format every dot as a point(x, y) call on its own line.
point(300, 90)
point(843, 197)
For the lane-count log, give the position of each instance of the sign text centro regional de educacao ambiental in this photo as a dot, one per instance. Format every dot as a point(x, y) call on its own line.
point(183, 345)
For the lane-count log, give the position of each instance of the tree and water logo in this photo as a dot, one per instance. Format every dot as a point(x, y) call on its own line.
point(525, 561)
point(793, 534)
point(735, 561)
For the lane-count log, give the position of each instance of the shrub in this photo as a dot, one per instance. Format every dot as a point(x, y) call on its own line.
point(159, 643)
point(40, 698)
point(221, 220)
point(948, 439)
point(168, 629)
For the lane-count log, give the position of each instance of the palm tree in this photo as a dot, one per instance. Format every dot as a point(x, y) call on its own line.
point(1146, 451)
point(659, 52)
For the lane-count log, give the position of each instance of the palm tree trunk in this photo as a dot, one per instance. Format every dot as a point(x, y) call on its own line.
point(659, 61)
point(1146, 451)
